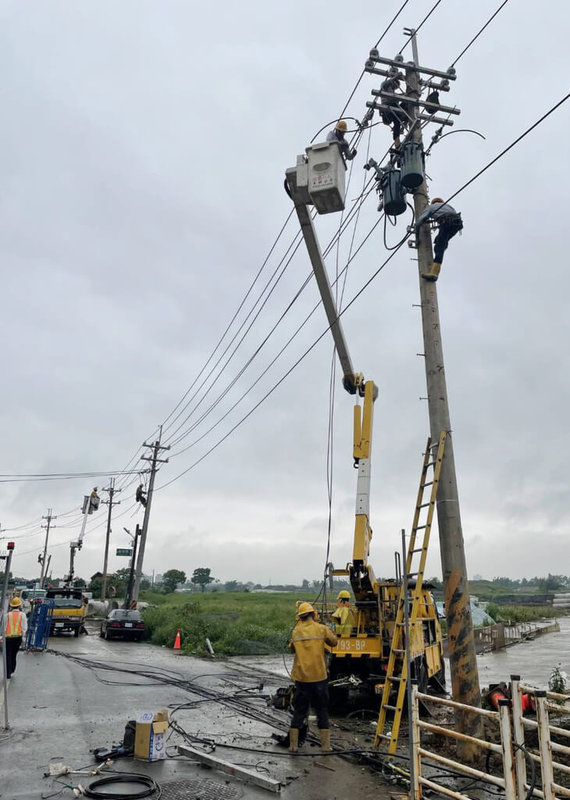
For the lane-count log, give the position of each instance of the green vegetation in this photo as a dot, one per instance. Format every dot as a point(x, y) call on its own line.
point(236, 623)
point(521, 613)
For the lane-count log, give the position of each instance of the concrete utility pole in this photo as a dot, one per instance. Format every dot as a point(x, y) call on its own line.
point(461, 643)
point(462, 655)
point(110, 503)
point(43, 574)
point(154, 459)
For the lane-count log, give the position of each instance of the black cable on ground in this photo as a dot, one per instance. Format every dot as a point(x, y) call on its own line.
point(151, 787)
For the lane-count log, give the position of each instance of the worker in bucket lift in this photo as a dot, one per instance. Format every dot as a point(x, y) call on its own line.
point(310, 674)
point(16, 629)
point(395, 117)
point(337, 135)
point(343, 617)
point(449, 223)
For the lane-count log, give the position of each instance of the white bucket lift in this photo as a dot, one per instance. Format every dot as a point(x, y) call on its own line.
point(320, 177)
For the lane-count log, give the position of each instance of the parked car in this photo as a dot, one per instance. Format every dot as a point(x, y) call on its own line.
point(125, 623)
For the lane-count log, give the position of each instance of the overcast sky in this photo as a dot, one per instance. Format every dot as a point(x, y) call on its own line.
point(142, 153)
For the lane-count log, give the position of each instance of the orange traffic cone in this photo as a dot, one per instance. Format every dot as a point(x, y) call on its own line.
point(177, 650)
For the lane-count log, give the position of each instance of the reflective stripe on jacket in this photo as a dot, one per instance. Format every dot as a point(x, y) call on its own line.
point(308, 641)
point(14, 624)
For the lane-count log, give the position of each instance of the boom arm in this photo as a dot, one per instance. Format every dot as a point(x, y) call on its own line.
point(361, 574)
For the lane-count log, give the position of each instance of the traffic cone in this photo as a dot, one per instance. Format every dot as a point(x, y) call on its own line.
point(177, 650)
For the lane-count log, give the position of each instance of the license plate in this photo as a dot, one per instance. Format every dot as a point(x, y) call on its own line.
point(128, 624)
point(59, 624)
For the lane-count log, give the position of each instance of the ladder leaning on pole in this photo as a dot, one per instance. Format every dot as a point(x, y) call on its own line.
point(397, 669)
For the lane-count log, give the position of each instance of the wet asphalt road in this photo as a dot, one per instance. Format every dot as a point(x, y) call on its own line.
point(60, 710)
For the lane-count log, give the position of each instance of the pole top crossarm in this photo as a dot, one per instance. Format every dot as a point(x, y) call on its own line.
point(398, 62)
point(426, 117)
point(415, 102)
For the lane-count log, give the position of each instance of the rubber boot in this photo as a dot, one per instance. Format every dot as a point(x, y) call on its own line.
point(433, 272)
point(325, 740)
point(293, 740)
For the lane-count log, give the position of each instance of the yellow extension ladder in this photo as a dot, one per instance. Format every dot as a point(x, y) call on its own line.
point(395, 684)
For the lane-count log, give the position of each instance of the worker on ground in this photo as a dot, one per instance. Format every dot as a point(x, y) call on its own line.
point(337, 135)
point(310, 674)
point(449, 223)
point(343, 617)
point(395, 117)
point(16, 628)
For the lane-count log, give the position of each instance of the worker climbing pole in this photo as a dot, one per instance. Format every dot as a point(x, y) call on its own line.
point(406, 174)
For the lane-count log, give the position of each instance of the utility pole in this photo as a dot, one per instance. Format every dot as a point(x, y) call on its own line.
point(129, 592)
point(3, 615)
point(154, 459)
point(43, 559)
point(462, 654)
point(110, 503)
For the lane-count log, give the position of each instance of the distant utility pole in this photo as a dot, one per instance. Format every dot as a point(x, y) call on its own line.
point(462, 655)
point(110, 503)
point(43, 559)
point(154, 459)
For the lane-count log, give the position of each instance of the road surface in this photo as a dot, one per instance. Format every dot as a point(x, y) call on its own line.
point(79, 695)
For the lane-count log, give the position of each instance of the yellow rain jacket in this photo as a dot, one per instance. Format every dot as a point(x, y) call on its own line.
point(343, 618)
point(308, 642)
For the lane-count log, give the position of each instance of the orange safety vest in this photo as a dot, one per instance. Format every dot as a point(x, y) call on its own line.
point(14, 624)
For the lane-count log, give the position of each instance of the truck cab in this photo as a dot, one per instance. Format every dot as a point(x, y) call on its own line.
point(69, 610)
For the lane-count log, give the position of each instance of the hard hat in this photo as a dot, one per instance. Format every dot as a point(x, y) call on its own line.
point(341, 125)
point(305, 608)
point(437, 200)
point(343, 595)
point(15, 602)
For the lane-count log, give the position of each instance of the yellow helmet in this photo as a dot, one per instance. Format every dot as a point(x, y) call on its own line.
point(343, 595)
point(15, 602)
point(437, 200)
point(305, 608)
point(341, 125)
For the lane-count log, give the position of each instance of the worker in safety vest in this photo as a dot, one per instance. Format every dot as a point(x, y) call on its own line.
point(310, 674)
point(337, 135)
point(343, 617)
point(16, 628)
point(449, 223)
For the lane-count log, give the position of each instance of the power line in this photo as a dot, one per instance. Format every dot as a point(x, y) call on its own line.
point(420, 26)
point(474, 39)
point(356, 85)
point(165, 426)
point(305, 283)
point(56, 476)
point(358, 294)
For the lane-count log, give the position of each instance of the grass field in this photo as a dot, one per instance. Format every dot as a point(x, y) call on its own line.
point(252, 623)
point(236, 623)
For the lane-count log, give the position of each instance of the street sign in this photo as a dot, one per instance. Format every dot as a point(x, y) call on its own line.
point(124, 551)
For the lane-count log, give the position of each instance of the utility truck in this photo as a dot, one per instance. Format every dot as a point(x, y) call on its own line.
point(373, 658)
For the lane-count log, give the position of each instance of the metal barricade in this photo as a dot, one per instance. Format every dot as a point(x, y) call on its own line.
point(542, 755)
point(504, 749)
point(39, 624)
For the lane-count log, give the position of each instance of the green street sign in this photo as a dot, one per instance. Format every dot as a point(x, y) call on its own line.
point(124, 551)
